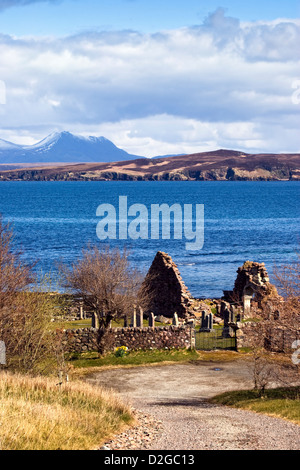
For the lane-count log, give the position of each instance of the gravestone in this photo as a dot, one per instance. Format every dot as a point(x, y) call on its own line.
point(81, 312)
point(95, 321)
point(175, 321)
point(133, 319)
point(206, 322)
point(151, 320)
point(140, 318)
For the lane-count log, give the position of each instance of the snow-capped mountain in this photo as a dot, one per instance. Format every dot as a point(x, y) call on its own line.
point(64, 147)
point(4, 145)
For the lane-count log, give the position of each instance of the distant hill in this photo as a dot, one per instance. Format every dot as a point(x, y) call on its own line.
point(219, 165)
point(63, 147)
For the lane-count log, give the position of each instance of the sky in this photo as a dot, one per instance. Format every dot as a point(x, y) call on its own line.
point(155, 77)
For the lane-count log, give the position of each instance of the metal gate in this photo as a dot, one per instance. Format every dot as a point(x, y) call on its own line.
point(208, 341)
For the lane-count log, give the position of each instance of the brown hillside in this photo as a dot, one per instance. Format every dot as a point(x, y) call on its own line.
point(216, 165)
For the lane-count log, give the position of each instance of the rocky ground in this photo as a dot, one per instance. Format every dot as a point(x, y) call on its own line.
point(141, 436)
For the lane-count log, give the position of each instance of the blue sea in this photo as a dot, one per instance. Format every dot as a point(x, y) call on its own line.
point(256, 221)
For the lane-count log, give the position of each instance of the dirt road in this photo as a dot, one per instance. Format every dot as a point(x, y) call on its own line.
point(177, 396)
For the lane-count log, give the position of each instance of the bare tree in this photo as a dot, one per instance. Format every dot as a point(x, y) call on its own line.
point(106, 283)
point(26, 310)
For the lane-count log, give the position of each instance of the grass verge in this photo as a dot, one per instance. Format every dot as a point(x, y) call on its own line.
point(278, 402)
point(132, 359)
point(37, 414)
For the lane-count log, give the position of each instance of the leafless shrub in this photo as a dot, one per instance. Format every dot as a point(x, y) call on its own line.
point(107, 284)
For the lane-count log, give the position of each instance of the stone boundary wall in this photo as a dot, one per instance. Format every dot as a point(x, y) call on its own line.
point(278, 340)
point(85, 340)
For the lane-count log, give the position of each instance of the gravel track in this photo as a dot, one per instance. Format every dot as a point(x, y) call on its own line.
point(172, 407)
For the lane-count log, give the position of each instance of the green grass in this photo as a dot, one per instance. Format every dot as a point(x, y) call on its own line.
point(77, 324)
point(133, 358)
point(280, 402)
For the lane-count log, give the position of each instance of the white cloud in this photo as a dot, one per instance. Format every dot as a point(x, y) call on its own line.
point(220, 84)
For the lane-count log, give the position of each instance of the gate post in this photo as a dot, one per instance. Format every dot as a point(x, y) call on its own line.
point(192, 338)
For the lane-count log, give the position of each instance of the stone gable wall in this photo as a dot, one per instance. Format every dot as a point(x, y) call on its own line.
point(165, 291)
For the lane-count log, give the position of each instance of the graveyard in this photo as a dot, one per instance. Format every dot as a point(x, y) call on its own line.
point(169, 317)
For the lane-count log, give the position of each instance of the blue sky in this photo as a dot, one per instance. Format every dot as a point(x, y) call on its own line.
point(155, 77)
point(66, 17)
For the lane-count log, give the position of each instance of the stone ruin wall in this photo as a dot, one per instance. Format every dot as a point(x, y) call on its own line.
point(252, 286)
point(164, 289)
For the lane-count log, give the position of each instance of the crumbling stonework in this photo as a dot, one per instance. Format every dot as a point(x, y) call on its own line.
point(276, 339)
point(252, 285)
point(164, 289)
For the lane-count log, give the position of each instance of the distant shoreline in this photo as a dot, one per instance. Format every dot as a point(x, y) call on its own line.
point(221, 165)
point(101, 180)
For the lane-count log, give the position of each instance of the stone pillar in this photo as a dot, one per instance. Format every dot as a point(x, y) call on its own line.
point(151, 320)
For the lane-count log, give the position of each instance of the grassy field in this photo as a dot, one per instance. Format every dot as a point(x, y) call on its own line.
point(38, 414)
point(280, 402)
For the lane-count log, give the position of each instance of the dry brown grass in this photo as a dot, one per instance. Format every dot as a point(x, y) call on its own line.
point(38, 414)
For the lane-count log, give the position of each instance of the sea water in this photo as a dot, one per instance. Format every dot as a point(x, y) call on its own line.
point(256, 221)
